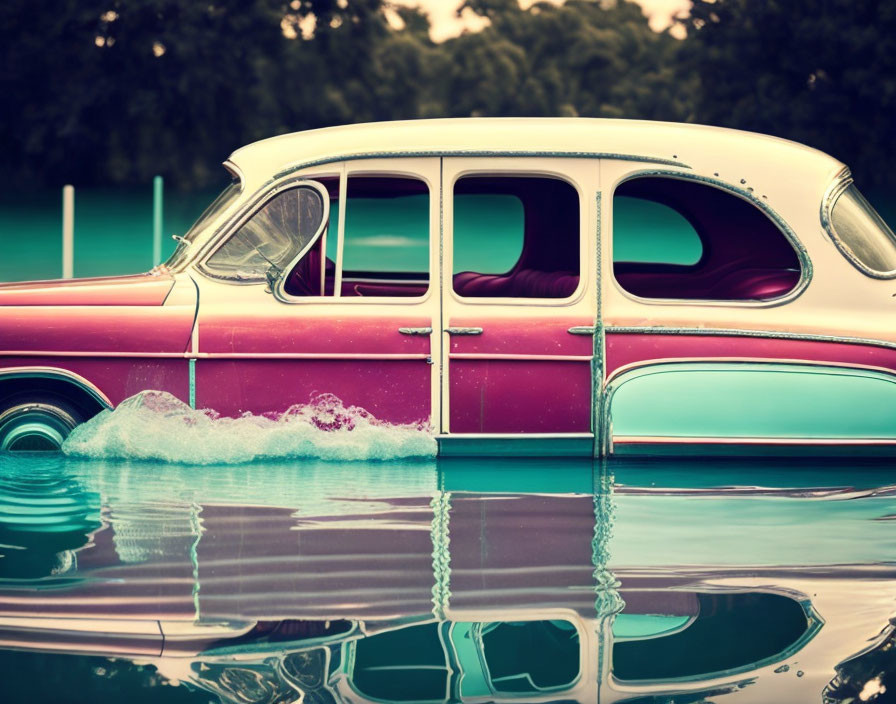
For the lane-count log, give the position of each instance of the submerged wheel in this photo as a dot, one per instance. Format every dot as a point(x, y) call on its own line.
point(36, 424)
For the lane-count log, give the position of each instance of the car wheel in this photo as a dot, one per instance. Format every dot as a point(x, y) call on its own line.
point(36, 424)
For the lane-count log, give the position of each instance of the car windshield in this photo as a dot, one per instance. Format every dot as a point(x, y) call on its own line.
point(219, 205)
point(862, 234)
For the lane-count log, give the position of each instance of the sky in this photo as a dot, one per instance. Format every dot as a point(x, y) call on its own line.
point(445, 22)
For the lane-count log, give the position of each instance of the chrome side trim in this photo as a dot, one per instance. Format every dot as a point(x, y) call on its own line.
point(464, 331)
point(841, 182)
point(598, 343)
point(806, 269)
point(734, 332)
point(682, 440)
point(514, 357)
point(582, 330)
point(415, 331)
point(477, 153)
point(61, 374)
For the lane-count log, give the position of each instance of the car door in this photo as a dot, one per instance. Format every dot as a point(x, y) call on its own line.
point(351, 326)
point(518, 296)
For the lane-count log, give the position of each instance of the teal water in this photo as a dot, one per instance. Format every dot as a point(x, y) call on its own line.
point(446, 580)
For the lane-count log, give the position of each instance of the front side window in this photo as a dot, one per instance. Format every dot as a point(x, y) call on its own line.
point(385, 243)
point(862, 234)
point(283, 228)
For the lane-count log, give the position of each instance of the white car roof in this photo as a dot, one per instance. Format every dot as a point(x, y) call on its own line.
point(706, 150)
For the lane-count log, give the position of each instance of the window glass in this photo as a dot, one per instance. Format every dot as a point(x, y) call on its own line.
point(863, 233)
point(755, 628)
point(407, 664)
point(386, 249)
point(675, 238)
point(515, 237)
point(383, 234)
point(526, 657)
point(647, 231)
point(488, 232)
point(283, 227)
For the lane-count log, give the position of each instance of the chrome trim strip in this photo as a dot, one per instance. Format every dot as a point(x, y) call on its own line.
point(54, 373)
point(415, 331)
point(498, 356)
point(683, 440)
point(309, 355)
point(599, 342)
point(216, 355)
point(582, 330)
point(286, 171)
point(734, 332)
point(806, 269)
point(841, 182)
point(514, 436)
point(92, 353)
point(464, 331)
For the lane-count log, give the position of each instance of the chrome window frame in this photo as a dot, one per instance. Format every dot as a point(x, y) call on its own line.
point(212, 240)
point(806, 268)
point(247, 213)
point(583, 238)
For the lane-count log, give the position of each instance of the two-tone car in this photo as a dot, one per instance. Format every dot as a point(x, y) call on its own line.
point(560, 286)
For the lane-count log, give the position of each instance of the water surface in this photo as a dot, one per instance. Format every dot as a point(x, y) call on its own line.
point(446, 581)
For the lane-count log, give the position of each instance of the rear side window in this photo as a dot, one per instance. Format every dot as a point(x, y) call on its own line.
point(679, 239)
point(653, 233)
point(862, 234)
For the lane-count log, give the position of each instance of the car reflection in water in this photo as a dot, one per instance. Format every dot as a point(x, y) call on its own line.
point(519, 581)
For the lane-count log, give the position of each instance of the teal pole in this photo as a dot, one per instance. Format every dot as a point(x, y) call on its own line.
point(157, 221)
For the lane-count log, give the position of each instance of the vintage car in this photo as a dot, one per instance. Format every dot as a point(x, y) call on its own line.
point(532, 286)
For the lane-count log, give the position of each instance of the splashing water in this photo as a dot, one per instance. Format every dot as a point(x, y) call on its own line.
point(154, 425)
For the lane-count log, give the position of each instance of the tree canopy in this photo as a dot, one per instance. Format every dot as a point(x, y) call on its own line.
point(115, 91)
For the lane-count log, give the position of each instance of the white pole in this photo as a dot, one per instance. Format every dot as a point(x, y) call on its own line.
point(68, 231)
point(157, 221)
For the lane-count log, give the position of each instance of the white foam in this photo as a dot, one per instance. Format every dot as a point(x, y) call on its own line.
point(154, 425)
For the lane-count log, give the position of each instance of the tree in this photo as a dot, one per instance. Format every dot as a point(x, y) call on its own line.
point(825, 76)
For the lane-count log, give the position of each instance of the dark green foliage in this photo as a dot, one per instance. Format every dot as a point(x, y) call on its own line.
point(100, 91)
point(822, 73)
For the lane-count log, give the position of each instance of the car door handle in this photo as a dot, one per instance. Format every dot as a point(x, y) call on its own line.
point(415, 331)
point(464, 331)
